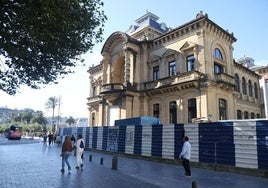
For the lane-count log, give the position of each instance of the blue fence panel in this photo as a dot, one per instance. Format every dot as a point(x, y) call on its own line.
point(225, 132)
point(225, 147)
point(80, 131)
point(225, 154)
point(112, 139)
point(95, 137)
point(207, 142)
point(138, 140)
point(67, 131)
point(87, 137)
point(104, 138)
point(122, 139)
point(262, 144)
point(157, 131)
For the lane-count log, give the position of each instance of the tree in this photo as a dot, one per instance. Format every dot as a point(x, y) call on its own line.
point(27, 116)
point(40, 119)
point(70, 121)
point(52, 103)
point(41, 40)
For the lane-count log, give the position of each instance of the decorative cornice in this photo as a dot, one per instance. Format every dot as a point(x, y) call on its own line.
point(115, 38)
point(95, 69)
point(195, 26)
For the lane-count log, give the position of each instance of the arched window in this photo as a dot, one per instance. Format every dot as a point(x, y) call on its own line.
point(217, 54)
point(237, 83)
point(252, 115)
point(245, 115)
point(156, 111)
point(222, 109)
point(218, 65)
point(191, 109)
point(256, 90)
point(93, 118)
point(173, 112)
point(250, 88)
point(238, 114)
point(244, 86)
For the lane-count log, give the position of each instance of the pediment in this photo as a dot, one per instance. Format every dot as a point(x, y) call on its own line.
point(154, 58)
point(188, 45)
point(169, 52)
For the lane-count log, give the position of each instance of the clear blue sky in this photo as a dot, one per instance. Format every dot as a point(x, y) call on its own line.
point(247, 19)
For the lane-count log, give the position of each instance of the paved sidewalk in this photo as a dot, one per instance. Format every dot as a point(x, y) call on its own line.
point(36, 165)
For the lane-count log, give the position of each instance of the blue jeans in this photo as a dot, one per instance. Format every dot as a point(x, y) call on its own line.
point(65, 159)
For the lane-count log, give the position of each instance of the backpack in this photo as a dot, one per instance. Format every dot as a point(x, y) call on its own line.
point(81, 144)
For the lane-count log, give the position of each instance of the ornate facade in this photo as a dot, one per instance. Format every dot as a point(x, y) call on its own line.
point(179, 75)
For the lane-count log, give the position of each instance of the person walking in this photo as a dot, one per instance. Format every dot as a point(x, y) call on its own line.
point(65, 153)
point(50, 138)
point(79, 152)
point(185, 155)
point(73, 144)
point(45, 139)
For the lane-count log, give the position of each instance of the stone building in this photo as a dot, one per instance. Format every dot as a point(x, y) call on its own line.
point(179, 75)
point(261, 70)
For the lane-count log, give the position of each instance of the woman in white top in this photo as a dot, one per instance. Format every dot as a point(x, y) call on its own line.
point(80, 144)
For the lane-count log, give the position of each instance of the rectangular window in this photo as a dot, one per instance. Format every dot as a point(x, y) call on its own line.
point(190, 62)
point(172, 68)
point(218, 68)
point(94, 92)
point(156, 73)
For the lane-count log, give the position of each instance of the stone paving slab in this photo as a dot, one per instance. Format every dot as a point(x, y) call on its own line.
point(36, 165)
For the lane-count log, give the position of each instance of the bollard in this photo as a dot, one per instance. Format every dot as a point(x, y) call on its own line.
point(194, 185)
point(101, 161)
point(90, 158)
point(114, 162)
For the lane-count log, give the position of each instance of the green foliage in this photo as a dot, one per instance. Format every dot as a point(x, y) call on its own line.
point(29, 121)
point(52, 102)
point(3, 128)
point(70, 120)
point(40, 119)
point(42, 40)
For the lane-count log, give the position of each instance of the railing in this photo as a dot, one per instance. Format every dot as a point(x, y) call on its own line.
point(178, 79)
point(112, 87)
point(224, 78)
point(93, 99)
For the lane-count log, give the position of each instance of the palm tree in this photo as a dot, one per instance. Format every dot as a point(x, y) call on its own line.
point(70, 121)
point(52, 103)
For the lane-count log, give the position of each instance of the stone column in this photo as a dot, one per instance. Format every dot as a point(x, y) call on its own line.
point(127, 67)
point(106, 68)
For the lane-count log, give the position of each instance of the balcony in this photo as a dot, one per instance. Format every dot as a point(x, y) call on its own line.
point(175, 80)
point(224, 78)
point(112, 88)
point(95, 99)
